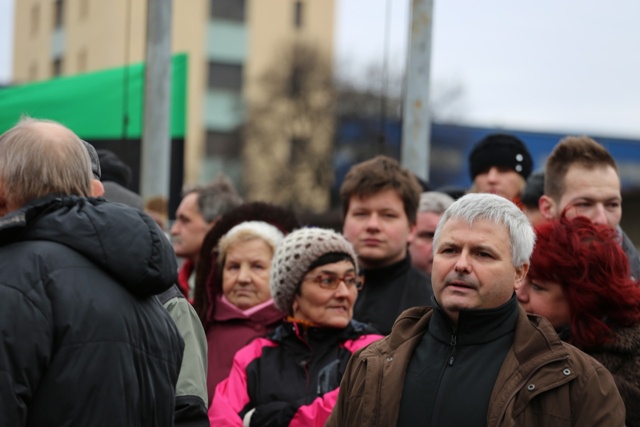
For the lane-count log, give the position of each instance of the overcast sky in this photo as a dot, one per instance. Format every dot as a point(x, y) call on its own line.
point(561, 66)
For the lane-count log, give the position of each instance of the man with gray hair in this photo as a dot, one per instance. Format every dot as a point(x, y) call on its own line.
point(83, 340)
point(200, 208)
point(432, 206)
point(476, 358)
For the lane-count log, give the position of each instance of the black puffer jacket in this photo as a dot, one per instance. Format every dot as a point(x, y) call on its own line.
point(82, 340)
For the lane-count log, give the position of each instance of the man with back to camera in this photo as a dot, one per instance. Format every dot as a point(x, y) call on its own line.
point(379, 204)
point(84, 340)
point(432, 206)
point(476, 358)
point(581, 178)
point(500, 164)
point(191, 409)
point(200, 208)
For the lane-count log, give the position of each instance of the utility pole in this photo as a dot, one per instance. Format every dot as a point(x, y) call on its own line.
point(416, 120)
point(156, 139)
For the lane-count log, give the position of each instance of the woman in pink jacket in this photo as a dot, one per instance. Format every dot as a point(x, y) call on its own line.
point(292, 377)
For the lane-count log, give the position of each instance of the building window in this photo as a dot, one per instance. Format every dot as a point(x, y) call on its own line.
point(233, 10)
point(225, 76)
point(35, 19)
point(56, 67)
point(58, 14)
point(298, 12)
point(225, 145)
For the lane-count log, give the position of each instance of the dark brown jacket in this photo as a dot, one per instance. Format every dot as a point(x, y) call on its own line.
point(542, 382)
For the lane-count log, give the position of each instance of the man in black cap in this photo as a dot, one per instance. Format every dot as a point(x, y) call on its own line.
point(500, 164)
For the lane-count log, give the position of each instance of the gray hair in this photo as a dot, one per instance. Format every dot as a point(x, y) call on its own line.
point(434, 201)
point(216, 198)
point(497, 209)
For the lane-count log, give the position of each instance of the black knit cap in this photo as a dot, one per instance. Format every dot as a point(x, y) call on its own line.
point(500, 149)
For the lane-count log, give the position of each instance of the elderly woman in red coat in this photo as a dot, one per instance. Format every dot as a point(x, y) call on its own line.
point(232, 294)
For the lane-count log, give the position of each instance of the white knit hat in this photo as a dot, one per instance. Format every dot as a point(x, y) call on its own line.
point(295, 255)
point(267, 232)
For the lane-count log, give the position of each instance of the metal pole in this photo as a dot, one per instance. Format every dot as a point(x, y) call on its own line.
point(416, 122)
point(156, 141)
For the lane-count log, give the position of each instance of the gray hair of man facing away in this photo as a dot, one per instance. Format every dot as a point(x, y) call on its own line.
point(500, 211)
point(435, 202)
point(216, 198)
point(40, 157)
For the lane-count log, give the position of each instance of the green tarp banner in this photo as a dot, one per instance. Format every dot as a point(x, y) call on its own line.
point(94, 105)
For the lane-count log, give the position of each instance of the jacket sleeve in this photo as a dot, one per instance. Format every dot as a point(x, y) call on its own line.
point(191, 388)
point(25, 350)
point(339, 410)
point(303, 412)
point(231, 396)
point(630, 393)
point(599, 404)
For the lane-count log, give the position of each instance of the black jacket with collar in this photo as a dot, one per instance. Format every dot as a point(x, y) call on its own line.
point(390, 290)
point(84, 343)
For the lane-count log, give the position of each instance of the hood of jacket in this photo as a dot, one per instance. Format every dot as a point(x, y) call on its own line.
point(121, 240)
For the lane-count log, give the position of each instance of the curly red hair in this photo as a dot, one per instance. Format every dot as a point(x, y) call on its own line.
point(587, 260)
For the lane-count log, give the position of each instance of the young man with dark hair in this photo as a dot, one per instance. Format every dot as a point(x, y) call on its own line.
point(380, 203)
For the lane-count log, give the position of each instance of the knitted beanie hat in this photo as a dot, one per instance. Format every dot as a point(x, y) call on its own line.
point(294, 256)
point(267, 232)
point(500, 149)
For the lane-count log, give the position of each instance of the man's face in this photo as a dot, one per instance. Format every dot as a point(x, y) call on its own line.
point(472, 267)
point(189, 229)
point(593, 193)
point(421, 247)
point(378, 228)
point(500, 180)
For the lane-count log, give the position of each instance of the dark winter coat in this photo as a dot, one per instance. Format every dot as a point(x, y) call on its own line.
point(83, 341)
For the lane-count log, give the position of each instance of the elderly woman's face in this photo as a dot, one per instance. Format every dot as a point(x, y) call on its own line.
point(320, 304)
point(245, 274)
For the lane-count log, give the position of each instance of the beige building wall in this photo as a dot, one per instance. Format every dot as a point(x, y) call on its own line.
point(101, 34)
point(272, 30)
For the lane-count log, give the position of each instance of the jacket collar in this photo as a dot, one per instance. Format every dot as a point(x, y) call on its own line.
point(384, 274)
point(476, 326)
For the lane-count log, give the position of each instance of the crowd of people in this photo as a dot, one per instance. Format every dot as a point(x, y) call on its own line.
point(515, 303)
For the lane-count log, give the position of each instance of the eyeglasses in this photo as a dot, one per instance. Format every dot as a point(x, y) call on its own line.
point(332, 281)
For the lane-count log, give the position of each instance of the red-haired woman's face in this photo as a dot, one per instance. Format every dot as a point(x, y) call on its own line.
point(546, 299)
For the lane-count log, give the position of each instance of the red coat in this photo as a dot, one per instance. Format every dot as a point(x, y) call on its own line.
point(230, 331)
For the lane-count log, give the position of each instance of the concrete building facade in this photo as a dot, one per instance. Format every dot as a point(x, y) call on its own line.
point(230, 45)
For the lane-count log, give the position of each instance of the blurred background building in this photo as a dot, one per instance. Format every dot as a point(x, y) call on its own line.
point(231, 45)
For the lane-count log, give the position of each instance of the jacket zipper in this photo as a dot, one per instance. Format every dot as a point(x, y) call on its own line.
point(452, 343)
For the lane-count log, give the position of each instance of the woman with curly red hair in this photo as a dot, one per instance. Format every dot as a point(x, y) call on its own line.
point(579, 280)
